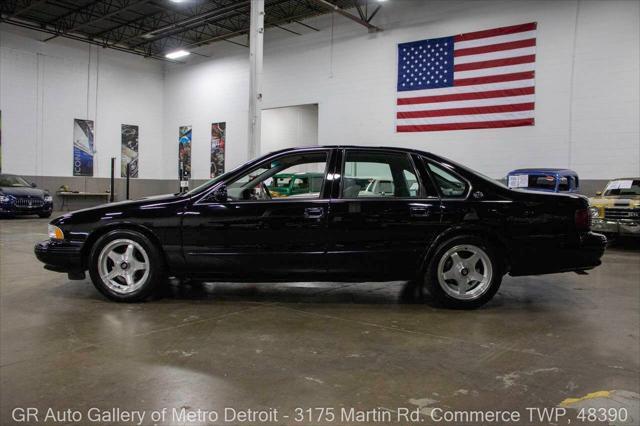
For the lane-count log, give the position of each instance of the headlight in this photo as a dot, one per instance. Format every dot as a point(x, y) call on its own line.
point(55, 233)
point(595, 212)
point(5, 198)
point(48, 198)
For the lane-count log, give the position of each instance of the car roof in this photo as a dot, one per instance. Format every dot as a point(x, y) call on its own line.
point(373, 148)
point(626, 178)
point(545, 170)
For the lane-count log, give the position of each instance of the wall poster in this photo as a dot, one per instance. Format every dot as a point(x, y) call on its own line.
point(218, 139)
point(129, 153)
point(82, 147)
point(184, 152)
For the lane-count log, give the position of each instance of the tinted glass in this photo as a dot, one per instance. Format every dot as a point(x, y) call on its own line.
point(542, 182)
point(564, 184)
point(449, 184)
point(284, 177)
point(13, 181)
point(379, 175)
point(623, 187)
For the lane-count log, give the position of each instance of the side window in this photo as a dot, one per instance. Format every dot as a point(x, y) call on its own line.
point(285, 177)
point(449, 184)
point(379, 175)
point(564, 184)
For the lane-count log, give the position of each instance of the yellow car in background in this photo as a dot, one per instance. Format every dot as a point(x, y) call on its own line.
point(616, 210)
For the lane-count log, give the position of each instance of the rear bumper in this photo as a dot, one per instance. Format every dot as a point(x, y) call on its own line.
point(60, 256)
point(617, 227)
point(583, 252)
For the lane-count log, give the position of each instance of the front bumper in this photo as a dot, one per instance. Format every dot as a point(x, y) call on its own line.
point(617, 227)
point(60, 256)
point(13, 210)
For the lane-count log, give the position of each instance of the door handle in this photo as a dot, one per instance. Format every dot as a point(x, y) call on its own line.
point(419, 211)
point(313, 212)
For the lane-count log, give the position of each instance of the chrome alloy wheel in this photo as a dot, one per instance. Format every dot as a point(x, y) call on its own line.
point(465, 272)
point(123, 265)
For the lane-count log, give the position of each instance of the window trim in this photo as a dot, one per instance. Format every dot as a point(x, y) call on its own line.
point(328, 151)
point(411, 162)
point(451, 170)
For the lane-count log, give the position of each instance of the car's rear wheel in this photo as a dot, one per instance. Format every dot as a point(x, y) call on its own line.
point(126, 266)
point(463, 273)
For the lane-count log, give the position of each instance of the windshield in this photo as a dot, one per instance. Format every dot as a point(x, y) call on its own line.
point(13, 181)
point(623, 187)
point(207, 184)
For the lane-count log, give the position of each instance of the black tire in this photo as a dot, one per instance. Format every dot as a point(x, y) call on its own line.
point(441, 291)
point(148, 287)
point(44, 215)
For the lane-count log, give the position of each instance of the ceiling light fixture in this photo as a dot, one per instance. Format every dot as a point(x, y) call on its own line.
point(177, 54)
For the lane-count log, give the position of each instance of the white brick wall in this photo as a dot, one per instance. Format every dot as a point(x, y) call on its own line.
point(587, 91)
point(596, 133)
point(44, 86)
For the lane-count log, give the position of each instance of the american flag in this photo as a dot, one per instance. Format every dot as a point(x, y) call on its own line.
point(478, 80)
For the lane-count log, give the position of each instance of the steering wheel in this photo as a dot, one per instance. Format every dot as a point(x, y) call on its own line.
point(265, 191)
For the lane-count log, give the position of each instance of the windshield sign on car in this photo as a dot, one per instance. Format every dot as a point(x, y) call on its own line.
point(519, 181)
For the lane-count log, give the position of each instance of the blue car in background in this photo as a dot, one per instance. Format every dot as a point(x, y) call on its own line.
point(549, 180)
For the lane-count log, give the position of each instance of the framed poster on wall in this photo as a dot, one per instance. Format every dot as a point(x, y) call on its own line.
point(184, 152)
point(129, 153)
point(218, 139)
point(82, 147)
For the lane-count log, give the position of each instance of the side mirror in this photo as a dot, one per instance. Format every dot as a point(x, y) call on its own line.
point(33, 184)
point(220, 194)
point(599, 193)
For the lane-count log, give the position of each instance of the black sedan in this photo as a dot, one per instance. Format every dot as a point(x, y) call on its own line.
point(454, 231)
point(19, 197)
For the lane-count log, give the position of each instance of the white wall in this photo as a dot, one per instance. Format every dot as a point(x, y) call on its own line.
point(587, 91)
point(44, 86)
point(587, 85)
point(289, 127)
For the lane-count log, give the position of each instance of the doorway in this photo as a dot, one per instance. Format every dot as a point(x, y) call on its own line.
point(287, 127)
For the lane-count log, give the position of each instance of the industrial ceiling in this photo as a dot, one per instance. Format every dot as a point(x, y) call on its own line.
point(152, 28)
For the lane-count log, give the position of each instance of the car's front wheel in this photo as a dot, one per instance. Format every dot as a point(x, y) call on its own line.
point(126, 266)
point(463, 273)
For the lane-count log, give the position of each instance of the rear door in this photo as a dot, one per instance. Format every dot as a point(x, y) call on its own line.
point(384, 214)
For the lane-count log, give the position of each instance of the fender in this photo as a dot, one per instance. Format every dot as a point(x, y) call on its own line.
point(99, 232)
point(498, 242)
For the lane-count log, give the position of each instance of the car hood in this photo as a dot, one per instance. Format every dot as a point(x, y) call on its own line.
point(632, 202)
point(78, 215)
point(22, 191)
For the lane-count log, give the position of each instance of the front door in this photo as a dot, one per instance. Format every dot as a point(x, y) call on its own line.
point(257, 232)
point(384, 215)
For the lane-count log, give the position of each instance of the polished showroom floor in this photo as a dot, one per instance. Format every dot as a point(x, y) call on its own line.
point(210, 346)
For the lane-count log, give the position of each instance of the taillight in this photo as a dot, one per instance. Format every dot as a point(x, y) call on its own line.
point(583, 220)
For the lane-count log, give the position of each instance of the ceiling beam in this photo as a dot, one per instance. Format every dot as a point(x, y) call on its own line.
point(190, 23)
point(45, 29)
point(335, 8)
point(30, 4)
point(93, 20)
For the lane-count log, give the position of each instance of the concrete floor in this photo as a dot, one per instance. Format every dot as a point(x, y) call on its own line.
point(260, 346)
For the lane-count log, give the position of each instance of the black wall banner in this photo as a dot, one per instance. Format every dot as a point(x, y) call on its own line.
point(218, 140)
point(82, 147)
point(129, 153)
